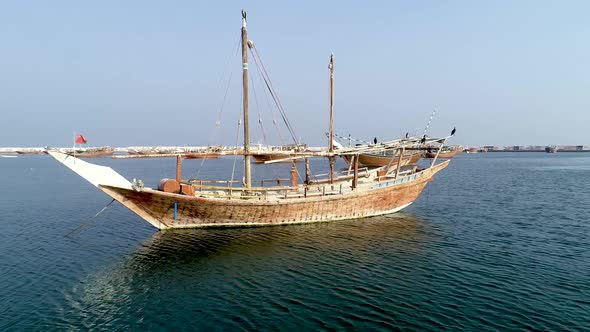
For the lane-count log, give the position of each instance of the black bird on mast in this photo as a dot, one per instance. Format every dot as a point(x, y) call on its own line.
point(407, 135)
point(453, 131)
point(423, 140)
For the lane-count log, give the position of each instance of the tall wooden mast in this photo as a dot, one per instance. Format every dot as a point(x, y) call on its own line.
point(331, 130)
point(247, 171)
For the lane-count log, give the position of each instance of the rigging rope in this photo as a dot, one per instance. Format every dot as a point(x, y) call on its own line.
point(216, 130)
point(272, 91)
point(428, 124)
point(222, 106)
point(270, 110)
point(233, 170)
point(258, 109)
point(349, 138)
point(84, 225)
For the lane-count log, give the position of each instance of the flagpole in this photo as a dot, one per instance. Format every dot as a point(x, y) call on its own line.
point(74, 145)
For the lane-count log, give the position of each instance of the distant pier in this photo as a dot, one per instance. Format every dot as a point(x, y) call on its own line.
point(206, 152)
point(529, 148)
point(189, 152)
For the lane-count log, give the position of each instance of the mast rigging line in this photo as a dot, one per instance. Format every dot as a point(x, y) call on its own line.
point(264, 74)
point(429, 120)
point(272, 113)
point(233, 170)
point(91, 220)
point(216, 129)
point(259, 112)
point(227, 87)
point(349, 138)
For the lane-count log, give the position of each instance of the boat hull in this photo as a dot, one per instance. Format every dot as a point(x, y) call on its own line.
point(90, 152)
point(212, 155)
point(369, 160)
point(164, 210)
point(168, 210)
point(442, 155)
point(98, 154)
point(283, 157)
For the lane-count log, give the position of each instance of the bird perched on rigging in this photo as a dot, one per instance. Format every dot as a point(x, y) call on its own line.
point(423, 140)
point(453, 131)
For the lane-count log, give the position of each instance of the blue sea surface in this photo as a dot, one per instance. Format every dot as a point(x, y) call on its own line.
point(497, 242)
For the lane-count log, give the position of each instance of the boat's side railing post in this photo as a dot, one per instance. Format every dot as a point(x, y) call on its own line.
point(350, 165)
point(355, 177)
point(294, 176)
point(178, 168)
point(399, 162)
point(307, 172)
point(437, 153)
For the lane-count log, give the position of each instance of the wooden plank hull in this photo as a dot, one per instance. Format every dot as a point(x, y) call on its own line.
point(369, 160)
point(96, 154)
point(89, 152)
point(260, 158)
point(158, 208)
point(442, 155)
point(374, 195)
point(212, 155)
point(30, 152)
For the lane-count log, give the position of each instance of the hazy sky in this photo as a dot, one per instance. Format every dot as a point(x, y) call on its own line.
point(155, 72)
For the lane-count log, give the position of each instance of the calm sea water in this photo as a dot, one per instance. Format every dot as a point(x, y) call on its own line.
point(498, 241)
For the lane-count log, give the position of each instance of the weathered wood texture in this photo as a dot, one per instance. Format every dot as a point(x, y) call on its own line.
point(158, 207)
point(441, 155)
point(261, 158)
point(371, 160)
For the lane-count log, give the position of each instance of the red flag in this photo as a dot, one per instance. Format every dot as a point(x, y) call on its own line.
point(80, 139)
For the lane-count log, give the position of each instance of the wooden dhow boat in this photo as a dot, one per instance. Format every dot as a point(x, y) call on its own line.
point(386, 158)
point(356, 193)
point(90, 152)
point(202, 155)
point(551, 149)
point(279, 153)
point(442, 152)
point(443, 155)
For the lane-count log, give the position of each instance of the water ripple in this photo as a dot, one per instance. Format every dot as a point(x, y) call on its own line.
point(497, 242)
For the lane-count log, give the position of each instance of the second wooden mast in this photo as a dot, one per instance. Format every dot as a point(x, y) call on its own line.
point(245, 44)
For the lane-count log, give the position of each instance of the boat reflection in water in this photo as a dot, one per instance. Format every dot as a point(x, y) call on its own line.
point(176, 245)
point(226, 275)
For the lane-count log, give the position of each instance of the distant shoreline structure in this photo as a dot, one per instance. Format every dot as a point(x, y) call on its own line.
point(532, 148)
point(538, 151)
point(160, 151)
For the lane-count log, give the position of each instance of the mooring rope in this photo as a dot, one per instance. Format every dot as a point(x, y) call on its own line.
point(84, 225)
